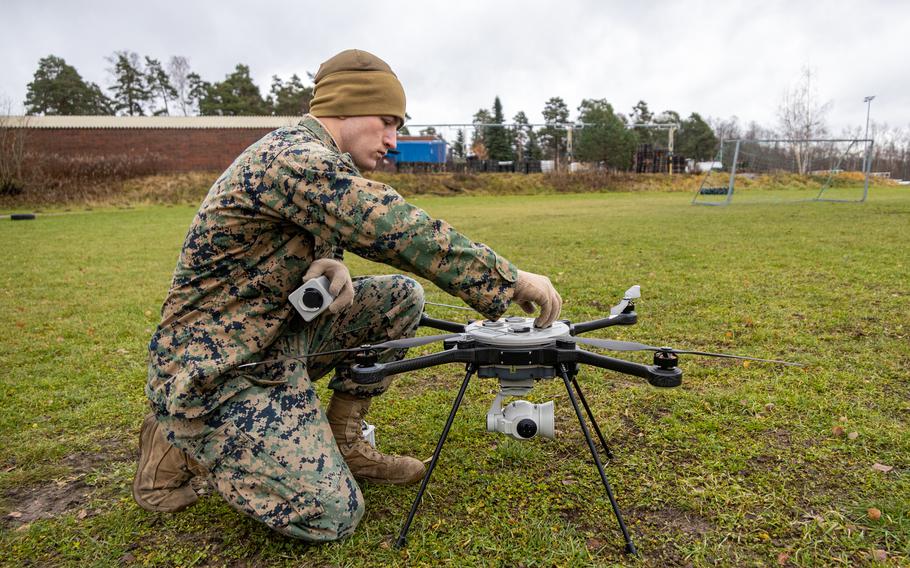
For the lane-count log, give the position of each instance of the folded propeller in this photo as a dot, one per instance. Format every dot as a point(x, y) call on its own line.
point(615, 345)
point(405, 343)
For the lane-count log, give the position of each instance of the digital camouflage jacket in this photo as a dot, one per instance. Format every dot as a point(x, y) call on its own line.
point(288, 199)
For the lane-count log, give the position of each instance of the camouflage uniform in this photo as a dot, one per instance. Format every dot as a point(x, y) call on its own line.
point(291, 198)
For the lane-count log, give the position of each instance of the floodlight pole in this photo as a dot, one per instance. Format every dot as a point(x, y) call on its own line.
point(866, 157)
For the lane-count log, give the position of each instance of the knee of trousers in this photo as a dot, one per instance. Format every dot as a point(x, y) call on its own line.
point(324, 517)
point(338, 520)
point(315, 500)
point(411, 297)
point(398, 298)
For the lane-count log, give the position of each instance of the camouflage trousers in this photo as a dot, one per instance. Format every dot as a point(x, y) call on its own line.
point(269, 449)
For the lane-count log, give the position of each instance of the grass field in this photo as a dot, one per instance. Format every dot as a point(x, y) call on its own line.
point(741, 465)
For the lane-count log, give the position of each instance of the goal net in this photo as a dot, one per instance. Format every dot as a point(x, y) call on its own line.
point(767, 171)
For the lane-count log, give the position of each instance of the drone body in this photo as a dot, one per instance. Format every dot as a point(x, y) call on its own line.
point(518, 354)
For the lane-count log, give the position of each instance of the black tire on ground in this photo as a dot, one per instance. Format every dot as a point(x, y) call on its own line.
point(22, 216)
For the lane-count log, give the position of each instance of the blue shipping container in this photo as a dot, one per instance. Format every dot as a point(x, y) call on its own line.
point(421, 151)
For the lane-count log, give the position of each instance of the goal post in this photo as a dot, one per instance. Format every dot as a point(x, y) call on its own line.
point(782, 170)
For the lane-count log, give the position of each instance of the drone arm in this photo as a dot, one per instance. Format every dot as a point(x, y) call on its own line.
point(444, 325)
point(657, 376)
point(370, 374)
point(619, 319)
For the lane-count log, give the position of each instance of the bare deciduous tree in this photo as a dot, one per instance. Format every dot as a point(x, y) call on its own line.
point(802, 117)
point(178, 70)
point(12, 151)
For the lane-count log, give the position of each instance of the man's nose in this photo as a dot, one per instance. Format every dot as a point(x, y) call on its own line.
point(390, 139)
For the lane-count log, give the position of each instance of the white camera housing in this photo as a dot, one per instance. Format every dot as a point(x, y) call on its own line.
point(521, 419)
point(312, 298)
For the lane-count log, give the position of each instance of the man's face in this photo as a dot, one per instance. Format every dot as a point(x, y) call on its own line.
point(368, 138)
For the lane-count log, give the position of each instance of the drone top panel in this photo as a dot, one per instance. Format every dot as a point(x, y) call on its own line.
point(515, 331)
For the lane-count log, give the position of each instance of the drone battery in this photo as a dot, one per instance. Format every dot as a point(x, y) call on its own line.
point(369, 433)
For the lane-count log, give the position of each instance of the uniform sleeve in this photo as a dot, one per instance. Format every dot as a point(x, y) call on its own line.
point(370, 219)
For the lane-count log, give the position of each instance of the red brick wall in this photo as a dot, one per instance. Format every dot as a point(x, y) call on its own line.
point(179, 149)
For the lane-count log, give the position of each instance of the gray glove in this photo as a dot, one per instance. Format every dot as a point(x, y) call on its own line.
point(340, 284)
point(531, 289)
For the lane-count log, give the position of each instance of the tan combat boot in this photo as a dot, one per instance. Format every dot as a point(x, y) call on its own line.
point(162, 482)
point(346, 412)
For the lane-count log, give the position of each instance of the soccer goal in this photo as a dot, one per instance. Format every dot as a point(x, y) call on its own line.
point(768, 171)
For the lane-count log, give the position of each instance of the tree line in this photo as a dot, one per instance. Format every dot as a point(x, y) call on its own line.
point(604, 136)
point(143, 86)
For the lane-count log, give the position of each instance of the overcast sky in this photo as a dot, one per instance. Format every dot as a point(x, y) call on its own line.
point(715, 58)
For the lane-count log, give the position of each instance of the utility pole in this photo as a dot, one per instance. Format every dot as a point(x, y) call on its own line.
point(866, 157)
point(569, 150)
point(670, 148)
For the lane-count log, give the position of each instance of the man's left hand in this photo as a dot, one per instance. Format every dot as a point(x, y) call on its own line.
point(340, 284)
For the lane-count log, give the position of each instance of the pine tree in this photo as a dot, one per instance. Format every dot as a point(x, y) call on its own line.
point(291, 98)
point(696, 139)
point(197, 90)
point(479, 140)
point(458, 148)
point(58, 89)
point(237, 95)
point(159, 86)
point(131, 93)
point(553, 136)
point(497, 138)
point(604, 138)
point(521, 136)
point(641, 114)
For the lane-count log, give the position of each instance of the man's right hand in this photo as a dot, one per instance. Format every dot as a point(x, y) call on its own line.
point(534, 289)
point(340, 284)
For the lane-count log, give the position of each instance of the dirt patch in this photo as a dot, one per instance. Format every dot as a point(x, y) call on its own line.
point(111, 451)
point(675, 521)
point(780, 438)
point(68, 493)
point(29, 504)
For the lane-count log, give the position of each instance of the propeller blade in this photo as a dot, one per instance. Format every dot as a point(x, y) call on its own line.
point(615, 345)
point(728, 356)
point(409, 342)
point(405, 343)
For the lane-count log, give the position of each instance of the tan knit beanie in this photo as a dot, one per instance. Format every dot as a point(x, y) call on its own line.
point(357, 83)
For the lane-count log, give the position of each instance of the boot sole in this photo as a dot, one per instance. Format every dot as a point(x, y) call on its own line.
point(375, 481)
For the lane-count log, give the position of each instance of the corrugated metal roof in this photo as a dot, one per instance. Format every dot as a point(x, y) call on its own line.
point(148, 121)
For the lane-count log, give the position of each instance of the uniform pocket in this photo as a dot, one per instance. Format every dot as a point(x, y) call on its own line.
point(253, 482)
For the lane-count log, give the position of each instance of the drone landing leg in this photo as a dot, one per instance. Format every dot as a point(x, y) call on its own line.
point(630, 547)
point(584, 403)
point(402, 536)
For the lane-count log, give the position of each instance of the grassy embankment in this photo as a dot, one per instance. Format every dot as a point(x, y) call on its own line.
point(742, 465)
point(190, 188)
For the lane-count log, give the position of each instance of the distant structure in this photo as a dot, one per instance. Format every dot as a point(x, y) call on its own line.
point(177, 143)
point(172, 144)
point(648, 159)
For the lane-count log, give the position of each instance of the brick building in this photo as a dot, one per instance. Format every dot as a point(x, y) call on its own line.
point(179, 144)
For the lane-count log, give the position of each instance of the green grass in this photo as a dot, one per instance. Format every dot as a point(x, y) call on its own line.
point(738, 466)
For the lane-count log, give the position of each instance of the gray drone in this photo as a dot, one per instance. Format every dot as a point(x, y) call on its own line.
point(518, 354)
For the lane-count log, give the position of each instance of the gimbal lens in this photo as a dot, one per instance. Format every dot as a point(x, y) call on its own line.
point(526, 428)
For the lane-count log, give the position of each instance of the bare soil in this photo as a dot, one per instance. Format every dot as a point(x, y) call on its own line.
point(29, 503)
